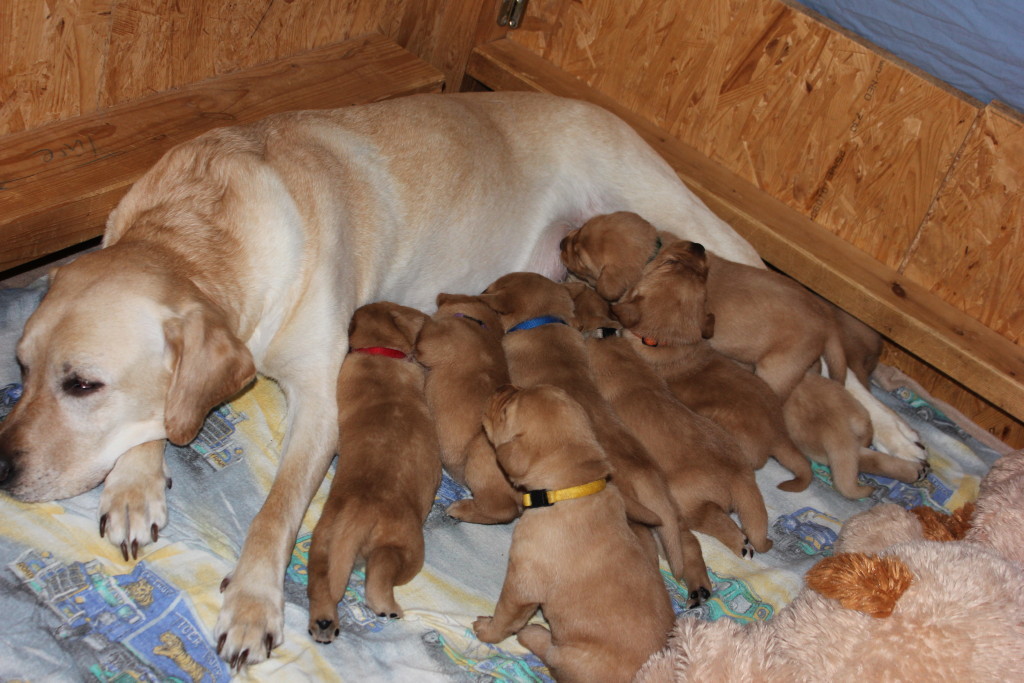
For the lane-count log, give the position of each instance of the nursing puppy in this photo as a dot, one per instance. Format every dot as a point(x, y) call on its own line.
point(576, 559)
point(761, 317)
point(460, 345)
point(667, 313)
point(247, 250)
point(707, 475)
point(541, 348)
point(831, 428)
point(387, 473)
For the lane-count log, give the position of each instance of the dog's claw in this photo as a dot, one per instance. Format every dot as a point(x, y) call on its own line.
point(154, 532)
point(221, 641)
point(170, 482)
point(269, 641)
point(124, 550)
point(103, 525)
point(224, 584)
point(135, 549)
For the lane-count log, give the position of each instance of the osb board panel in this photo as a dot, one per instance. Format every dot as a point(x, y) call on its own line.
point(51, 59)
point(970, 248)
point(982, 413)
point(813, 117)
point(62, 58)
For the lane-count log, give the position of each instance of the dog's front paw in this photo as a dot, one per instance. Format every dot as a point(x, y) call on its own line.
point(251, 623)
point(133, 505)
point(484, 629)
point(324, 630)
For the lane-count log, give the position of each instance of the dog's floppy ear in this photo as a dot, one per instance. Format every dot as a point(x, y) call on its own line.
point(409, 322)
point(613, 281)
point(866, 583)
point(497, 301)
point(210, 365)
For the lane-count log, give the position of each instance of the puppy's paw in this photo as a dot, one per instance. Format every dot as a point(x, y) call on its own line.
point(698, 597)
point(133, 505)
point(251, 622)
point(484, 629)
point(924, 468)
point(323, 630)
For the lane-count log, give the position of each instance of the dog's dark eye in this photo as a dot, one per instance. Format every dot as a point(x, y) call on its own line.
point(76, 386)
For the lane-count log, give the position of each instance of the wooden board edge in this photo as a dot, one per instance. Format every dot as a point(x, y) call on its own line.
point(914, 319)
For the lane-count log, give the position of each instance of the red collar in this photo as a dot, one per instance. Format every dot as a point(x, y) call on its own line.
point(381, 351)
point(646, 341)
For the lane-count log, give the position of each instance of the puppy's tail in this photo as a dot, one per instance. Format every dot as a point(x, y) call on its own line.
point(835, 356)
point(793, 460)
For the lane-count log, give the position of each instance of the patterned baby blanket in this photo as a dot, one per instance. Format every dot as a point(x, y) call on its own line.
point(74, 610)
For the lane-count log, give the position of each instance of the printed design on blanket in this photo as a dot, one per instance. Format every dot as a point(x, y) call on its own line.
point(731, 598)
point(806, 531)
point(214, 442)
point(137, 626)
point(492, 661)
point(9, 395)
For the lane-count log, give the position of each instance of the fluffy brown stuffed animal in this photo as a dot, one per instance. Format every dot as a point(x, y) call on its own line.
point(909, 596)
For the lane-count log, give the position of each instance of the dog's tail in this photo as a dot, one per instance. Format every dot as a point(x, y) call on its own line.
point(793, 460)
point(835, 356)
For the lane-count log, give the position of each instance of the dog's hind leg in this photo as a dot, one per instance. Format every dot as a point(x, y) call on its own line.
point(332, 554)
point(895, 468)
point(393, 564)
point(749, 505)
point(494, 501)
point(708, 518)
point(537, 640)
point(844, 460)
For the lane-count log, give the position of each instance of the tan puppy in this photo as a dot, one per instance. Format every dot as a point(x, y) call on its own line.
point(667, 310)
point(576, 559)
point(555, 353)
point(762, 318)
point(248, 248)
point(707, 475)
point(830, 427)
point(387, 474)
point(461, 347)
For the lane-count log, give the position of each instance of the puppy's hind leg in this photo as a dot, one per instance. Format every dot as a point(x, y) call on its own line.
point(749, 504)
point(388, 566)
point(494, 500)
point(895, 468)
point(537, 640)
point(712, 520)
point(844, 460)
point(332, 554)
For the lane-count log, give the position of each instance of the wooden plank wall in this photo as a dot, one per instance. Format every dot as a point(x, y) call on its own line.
point(921, 177)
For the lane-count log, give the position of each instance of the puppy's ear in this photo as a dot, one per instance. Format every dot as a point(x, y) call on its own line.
point(707, 329)
point(210, 365)
point(497, 301)
point(575, 287)
point(409, 322)
point(614, 280)
point(865, 583)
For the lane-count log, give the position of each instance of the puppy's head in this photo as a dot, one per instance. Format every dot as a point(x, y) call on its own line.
point(669, 303)
point(543, 438)
point(592, 315)
point(116, 355)
point(609, 252)
point(471, 308)
point(519, 296)
point(385, 324)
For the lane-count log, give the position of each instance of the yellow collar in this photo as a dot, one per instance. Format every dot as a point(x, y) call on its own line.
point(543, 497)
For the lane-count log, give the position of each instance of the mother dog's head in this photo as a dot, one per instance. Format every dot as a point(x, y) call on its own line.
point(119, 352)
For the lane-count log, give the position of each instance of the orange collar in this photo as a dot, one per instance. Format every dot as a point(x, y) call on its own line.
point(381, 351)
point(646, 341)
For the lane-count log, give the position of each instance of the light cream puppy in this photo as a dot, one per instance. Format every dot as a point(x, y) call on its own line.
point(576, 559)
point(247, 250)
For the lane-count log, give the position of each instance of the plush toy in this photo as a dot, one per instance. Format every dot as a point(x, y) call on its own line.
point(908, 596)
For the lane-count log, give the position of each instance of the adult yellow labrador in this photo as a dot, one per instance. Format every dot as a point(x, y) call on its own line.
point(247, 249)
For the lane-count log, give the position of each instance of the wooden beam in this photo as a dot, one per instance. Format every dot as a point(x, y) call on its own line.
point(920, 322)
point(59, 182)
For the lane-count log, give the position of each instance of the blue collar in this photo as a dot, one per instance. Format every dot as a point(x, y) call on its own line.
point(536, 322)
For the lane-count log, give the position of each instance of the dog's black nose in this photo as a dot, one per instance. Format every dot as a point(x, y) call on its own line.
point(324, 624)
point(5, 471)
point(561, 245)
point(696, 248)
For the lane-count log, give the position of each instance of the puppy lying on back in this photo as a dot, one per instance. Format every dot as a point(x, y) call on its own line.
point(387, 473)
point(576, 559)
point(541, 348)
point(707, 475)
point(461, 347)
point(762, 318)
point(667, 313)
point(830, 427)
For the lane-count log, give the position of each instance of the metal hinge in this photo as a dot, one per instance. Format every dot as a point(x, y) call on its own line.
point(511, 13)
